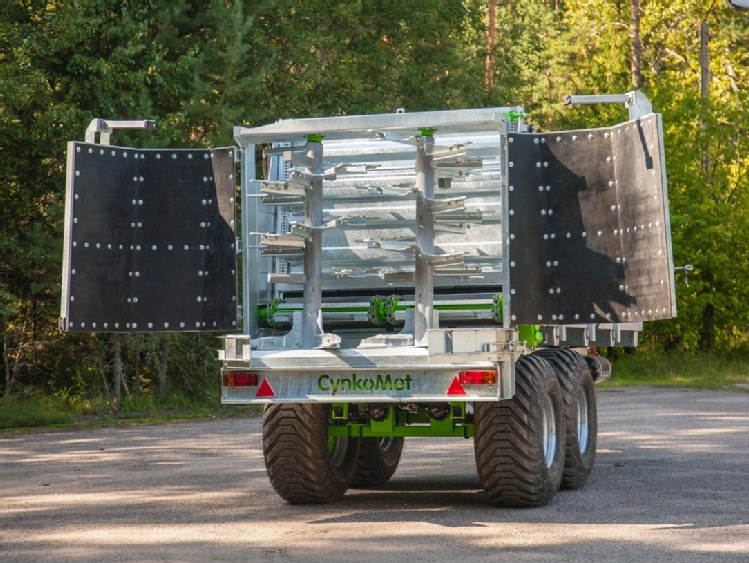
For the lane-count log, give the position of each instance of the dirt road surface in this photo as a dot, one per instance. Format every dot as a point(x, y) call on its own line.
point(671, 483)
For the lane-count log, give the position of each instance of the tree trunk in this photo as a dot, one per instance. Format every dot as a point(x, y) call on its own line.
point(705, 88)
point(707, 330)
point(163, 363)
point(136, 379)
point(117, 376)
point(6, 362)
point(12, 365)
point(490, 41)
point(636, 53)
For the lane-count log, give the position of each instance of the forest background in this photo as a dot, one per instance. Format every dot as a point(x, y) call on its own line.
point(200, 67)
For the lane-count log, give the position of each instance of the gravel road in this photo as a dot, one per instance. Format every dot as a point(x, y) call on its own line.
point(671, 483)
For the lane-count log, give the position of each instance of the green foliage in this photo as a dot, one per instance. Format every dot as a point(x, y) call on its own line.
point(199, 67)
point(696, 371)
point(34, 411)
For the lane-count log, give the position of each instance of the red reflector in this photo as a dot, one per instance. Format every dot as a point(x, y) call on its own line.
point(265, 390)
point(240, 379)
point(479, 377)
point(456, 388)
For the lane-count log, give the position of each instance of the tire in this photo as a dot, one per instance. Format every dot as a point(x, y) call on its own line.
point(378, 460)
point(580, 413)
point(305, 466)
point(519, 443)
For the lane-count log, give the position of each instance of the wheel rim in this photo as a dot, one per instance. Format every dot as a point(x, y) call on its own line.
point(337, 448)
point(386, 443)
point(550, 432)
point(583, 424)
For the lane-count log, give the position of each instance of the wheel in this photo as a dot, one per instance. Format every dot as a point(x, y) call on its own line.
point(580, 413)
point(519, 443)
point(378, 460)
point(306, 466)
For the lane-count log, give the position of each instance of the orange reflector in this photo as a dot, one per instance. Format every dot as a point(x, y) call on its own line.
point(265, 390)
point(456, 388)
point(478, 377)
point(240, 379)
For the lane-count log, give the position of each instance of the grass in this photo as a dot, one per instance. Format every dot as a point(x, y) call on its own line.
point(694, 371)
point(64, 410)
point(33, 411)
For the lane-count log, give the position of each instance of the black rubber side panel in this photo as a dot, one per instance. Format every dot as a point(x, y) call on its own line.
point(149, 240)
point(588, 226)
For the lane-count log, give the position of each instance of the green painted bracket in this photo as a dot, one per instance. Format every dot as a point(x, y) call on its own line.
point(530, 334)
point(382, 309)
point(498, 308)
point(514, 115)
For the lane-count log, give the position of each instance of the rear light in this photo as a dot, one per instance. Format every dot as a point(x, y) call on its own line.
point(240, 379)
point(478, 377)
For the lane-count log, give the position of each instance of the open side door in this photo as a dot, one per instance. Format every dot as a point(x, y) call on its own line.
point(588, 237)
point(149, 240)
